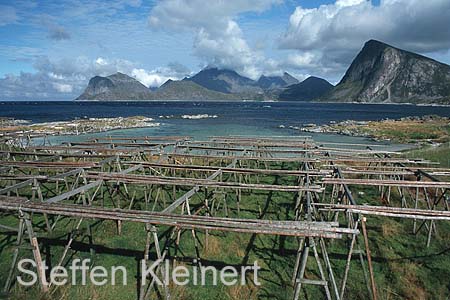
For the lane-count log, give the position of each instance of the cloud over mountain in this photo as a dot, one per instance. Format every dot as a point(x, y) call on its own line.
point(158, 76)
point(65, 78)
point(330, 35)
point(67, 42)
point(219, 40)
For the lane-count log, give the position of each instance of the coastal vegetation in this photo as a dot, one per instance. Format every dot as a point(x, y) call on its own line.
point(440, 154)
point(416, 130)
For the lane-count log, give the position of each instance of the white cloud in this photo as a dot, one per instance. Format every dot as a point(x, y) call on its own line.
point(63, 88)
point(67, 78)
point(58, 79)
point(82, 68)
point(101, 61)
point(23, 53)
point(228, 50)
point(148, 79)
point(334, 33)
point(151, 78)
point(26, 86)
point(219, 40)
point(307, 59)
point(344, 3)
point(195, 14)
point(158, 76)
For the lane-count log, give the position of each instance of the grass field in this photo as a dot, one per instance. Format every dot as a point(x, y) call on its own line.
point(409, 130)
point(404, 267)
point(440, 154)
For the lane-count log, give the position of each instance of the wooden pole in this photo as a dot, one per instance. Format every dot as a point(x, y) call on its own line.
point(369, 259)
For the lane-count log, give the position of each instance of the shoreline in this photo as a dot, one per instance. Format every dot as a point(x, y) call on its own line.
point(382, 103)
point(230, 101)
point(13, 128)
point(429, 129)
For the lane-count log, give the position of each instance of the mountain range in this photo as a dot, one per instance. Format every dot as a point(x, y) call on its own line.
point(380, 73)
point(208, 84)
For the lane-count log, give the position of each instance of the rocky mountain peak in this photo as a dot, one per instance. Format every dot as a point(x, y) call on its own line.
point(275, 82)
point(383, 73)
point(117, 86)
point(224, 81)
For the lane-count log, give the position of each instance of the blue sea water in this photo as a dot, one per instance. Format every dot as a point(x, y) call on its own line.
point(233, 118)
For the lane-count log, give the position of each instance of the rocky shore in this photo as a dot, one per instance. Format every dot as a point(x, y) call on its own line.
point(11, 127)
point(425, 129)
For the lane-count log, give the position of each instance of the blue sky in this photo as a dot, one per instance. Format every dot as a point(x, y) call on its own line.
point(50, 49)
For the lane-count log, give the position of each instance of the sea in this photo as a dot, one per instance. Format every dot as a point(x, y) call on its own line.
point(204, 119)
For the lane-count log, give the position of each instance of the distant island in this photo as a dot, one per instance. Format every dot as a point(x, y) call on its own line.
point(208, 84)
point(380, 73)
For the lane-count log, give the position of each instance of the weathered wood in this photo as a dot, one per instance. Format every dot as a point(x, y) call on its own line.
point(288, 228)
point(203, 168)
point(396, 212)
point(121, 144)
point(70, 155)
point(49, 165)
point(74, 192)
point(232, 170)
point(164, 180)
point(369, 259)
point(141, 138)
point(16, 186)
point(302, 159)
point(194, 190)
point(302, 148)
point(377, 182)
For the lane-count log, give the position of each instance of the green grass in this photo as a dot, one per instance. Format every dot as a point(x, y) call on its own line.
point(404, 267)
point(440, 154)
point(430, 128)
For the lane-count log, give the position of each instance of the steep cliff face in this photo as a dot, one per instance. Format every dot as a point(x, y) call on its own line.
point(382, 73)
point(115, 87)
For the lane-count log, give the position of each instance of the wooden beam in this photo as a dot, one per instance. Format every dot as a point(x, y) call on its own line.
point(272, 227)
